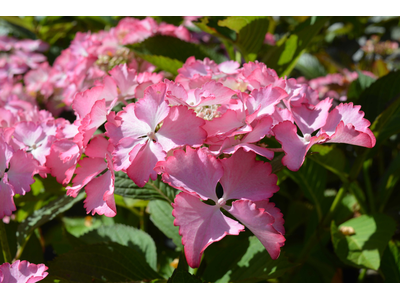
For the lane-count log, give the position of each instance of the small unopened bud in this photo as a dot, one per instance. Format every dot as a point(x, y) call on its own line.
point(347, 230)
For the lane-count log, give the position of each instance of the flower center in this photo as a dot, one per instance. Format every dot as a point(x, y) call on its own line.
point(152, 136)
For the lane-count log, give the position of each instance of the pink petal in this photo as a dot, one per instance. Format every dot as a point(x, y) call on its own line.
point(89, 168)
point(213, 93)
point(200, 225)
point(22, 168)
point(29, 133)
point(62, 160)
point(251, 147)
point(7, 205)
point(310, 118)
point(22, 272)
point(125, 151)
point(143, 163)
point(98, 147)
point(194, 171)
point(294, 146)
point(261, 128)
point(346, 113)
point(263, 100)
point(246, 178)
point(100, 198)
point(275, 212)
point(153, 108)
point(125, 79)
point(6, 153)
point(260, 222)
point(181, 127)
point(130, 126)
point(226, 125)
point(349, 135)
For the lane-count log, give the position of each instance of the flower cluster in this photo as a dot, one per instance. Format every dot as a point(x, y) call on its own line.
point(91, 55)
point(334, 85)
point(201, 131)
point(187, 129)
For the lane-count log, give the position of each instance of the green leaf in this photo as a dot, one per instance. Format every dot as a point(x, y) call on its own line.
point(387, 90)
point(153, 190)
point(312, 180)
point(330, 157)
point(388, 181)
point(211, 26)
point(21, 22)
point(310, 66)
point(164, 63)
point(77, 226)
point(251, 32)
point(283, 57)
point(358, 86)
point(221, 257)
point(181, 274)
point(256, 264)
point(390, 265)
point(379, 95)
point(346, 208)
point(161, 216)
point(106, 262)
point(364, 247)
point(169, 52)
point(237, 23)
point(251, 37)
point(43, 215)
point(126, 236)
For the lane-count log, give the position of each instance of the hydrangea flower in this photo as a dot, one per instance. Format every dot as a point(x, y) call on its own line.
point(22, 272)
point(249, 183)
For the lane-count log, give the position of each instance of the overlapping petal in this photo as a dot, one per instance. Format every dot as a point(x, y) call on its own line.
point(246, 178)
point(193, 171)
point(260, 222)
point(200, 225)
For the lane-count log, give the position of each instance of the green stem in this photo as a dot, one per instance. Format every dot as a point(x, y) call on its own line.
point(4, 243)
point(339, 197)
point(368, 185)
point(362, 275)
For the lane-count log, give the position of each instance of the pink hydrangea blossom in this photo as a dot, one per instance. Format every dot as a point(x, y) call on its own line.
point(250, 182)
point(140, 142)
point(22, 272)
